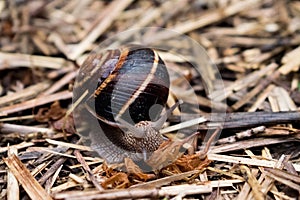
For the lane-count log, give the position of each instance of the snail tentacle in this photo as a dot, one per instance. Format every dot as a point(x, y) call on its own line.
point(157, 125)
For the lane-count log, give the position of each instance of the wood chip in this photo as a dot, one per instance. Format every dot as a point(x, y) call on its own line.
point(31, 186)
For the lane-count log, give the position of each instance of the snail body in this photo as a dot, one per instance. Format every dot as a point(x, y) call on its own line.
point(131, 90)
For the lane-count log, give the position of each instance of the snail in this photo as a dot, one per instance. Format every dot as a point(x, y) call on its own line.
point(128, 89)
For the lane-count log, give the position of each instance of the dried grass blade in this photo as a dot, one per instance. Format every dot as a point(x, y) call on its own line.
point(30, 185)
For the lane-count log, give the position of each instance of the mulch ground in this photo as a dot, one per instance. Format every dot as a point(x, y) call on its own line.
point(255, 46)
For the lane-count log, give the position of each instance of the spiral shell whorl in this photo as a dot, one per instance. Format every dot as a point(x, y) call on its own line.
point(130, 81)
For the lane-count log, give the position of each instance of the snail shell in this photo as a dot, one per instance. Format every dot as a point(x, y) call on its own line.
point(131, 82)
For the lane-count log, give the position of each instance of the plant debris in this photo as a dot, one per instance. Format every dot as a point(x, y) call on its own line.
point(255, 45)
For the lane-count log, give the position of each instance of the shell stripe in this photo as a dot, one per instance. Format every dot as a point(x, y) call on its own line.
point(111, 77)
point(142, 87)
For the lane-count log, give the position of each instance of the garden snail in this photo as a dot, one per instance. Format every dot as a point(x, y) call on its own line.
point(125, 86)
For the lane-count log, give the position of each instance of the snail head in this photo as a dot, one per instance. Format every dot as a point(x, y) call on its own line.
point(148, 128)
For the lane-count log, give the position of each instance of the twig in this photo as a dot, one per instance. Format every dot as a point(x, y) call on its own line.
point(284, 181)
point(31, 186)
point(35, 102)
point(150, 193)
point(88, 170)
point(13, 190)
point(69, 145)
point(23, 130)
point(52, 170)
point(16, 146)
point(13, 60)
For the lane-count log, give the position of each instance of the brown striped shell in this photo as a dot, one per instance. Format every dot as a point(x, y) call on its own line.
point(130, 84)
